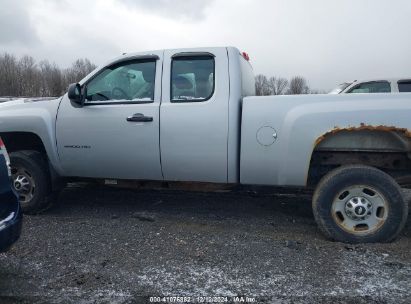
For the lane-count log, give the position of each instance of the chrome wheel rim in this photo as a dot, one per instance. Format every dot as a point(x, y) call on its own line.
point(360, 210)
point(23, 184)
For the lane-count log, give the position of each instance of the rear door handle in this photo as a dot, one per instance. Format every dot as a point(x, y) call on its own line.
point(138, 117)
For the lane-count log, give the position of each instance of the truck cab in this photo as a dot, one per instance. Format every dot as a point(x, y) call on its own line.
point(167, 115)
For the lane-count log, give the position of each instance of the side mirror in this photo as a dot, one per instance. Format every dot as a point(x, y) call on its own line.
point(74, 94)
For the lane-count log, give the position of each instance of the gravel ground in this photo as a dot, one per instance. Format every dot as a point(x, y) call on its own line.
point(104, 245)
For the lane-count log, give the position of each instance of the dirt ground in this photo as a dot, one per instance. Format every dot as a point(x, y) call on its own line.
point(105, 245)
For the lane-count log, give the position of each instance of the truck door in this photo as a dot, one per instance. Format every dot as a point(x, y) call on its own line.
point(194, 115)
point(116, 133)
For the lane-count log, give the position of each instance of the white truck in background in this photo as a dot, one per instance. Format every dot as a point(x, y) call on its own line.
point(190, 116)
point(388, 85)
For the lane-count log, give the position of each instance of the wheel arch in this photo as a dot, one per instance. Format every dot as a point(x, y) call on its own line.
point(385, 147)
point(365, 138)
point(23, 141)
point(17, 141)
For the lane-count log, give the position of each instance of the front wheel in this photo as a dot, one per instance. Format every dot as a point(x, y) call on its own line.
point(31, 180)
point(359, 204)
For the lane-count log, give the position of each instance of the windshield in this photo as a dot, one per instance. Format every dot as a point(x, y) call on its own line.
point(340, 88)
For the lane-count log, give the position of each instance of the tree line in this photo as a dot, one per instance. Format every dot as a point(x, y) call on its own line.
point(281, 86)
point(25, 77)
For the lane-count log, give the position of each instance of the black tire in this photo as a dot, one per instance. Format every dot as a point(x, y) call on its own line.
point(336, 181)
point(35, 166)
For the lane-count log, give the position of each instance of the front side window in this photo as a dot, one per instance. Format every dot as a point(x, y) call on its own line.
point(131, 81)
point(372, 87)
point(404, 86)
point(192, 78)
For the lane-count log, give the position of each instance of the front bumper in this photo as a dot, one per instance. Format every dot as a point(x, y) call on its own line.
point(10, 212)
point(10, 221)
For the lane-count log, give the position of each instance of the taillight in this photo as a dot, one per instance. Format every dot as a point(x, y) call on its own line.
point(3, 152)
point(246, 56)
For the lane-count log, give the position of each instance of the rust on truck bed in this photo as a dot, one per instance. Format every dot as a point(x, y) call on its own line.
point(363, 126)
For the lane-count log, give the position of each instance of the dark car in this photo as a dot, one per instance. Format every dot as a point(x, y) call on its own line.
point(10, 212)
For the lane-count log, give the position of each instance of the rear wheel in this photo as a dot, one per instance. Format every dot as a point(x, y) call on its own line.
point(31, 180)
point(359, 204)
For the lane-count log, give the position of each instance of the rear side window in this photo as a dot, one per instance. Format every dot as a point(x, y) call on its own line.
point(404, 86)
point(192, 78)
point(372, 87)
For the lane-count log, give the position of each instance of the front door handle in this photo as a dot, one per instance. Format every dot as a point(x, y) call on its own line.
point(138, 117)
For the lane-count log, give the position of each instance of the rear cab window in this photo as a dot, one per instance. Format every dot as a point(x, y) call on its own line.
point(372, 87)
point(404, 86)
point(192, 78)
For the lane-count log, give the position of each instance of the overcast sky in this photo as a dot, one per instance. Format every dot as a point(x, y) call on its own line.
point(327, 42)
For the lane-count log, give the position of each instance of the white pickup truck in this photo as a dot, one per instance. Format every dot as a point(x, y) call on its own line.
point(389, 85)
point(189, 115)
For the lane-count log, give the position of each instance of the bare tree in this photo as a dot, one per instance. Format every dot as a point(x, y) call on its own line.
point(51, 79)
point(8, 75)
point(30, 77)
point(298, 85)
point(24, 77)
point(261, 85)
point(55, 81)
point(277, 85)
point(78, 70)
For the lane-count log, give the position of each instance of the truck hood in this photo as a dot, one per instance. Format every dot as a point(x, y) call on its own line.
point(50, 103)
